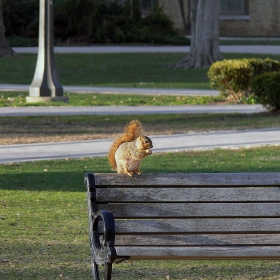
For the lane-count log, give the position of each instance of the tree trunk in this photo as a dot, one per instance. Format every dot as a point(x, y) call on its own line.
point(204, 49)
point(185, 21)
point(5, 49)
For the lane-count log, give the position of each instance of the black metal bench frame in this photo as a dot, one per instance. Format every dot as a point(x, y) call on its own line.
point(212, 202)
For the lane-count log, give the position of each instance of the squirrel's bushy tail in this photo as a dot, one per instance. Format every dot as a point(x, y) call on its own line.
point(131, 132)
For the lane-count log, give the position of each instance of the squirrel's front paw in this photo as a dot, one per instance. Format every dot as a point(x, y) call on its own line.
point(149, 152)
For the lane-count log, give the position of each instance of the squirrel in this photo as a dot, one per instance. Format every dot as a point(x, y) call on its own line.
point(128, 150)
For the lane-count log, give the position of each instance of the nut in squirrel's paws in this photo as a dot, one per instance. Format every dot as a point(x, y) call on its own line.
point(149, 152)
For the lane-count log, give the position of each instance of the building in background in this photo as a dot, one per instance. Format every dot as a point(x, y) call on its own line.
point(246, 18)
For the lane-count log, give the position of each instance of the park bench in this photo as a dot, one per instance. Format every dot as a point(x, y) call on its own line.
point(181, 216)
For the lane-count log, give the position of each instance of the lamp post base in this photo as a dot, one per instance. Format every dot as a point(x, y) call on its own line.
point(36, 99)
point(45, 86)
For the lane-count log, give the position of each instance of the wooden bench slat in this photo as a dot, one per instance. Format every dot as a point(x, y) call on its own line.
point(198, 226)
point(197, 179)
point(187, 216)
point(201, 253)
point(148, 194)
point(175, 210)
point(199, 239)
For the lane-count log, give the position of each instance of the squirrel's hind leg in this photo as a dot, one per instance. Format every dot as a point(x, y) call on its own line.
point(125, 171)
point(122, 169)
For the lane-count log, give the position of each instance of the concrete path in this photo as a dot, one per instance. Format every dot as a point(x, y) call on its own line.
point(133, 110)
point(163, 143)
point(154, 49)
point(113, 90)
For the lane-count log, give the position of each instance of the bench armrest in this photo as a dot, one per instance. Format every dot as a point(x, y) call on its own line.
point(101, 227)
point(102, 236)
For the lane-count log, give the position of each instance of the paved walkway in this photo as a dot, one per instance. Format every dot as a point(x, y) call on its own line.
point(162, 143)
point(155, 49)
point(133, 110)
point(113, 90)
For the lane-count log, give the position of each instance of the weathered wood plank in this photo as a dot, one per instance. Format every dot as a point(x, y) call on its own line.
point(215, 216)
point(198, 226)
point(201, 253)
point(175, 210)
point(198, 240)
point(197, 179)
point(150, 194)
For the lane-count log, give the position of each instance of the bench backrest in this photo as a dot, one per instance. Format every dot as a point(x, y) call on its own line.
point(193, 216)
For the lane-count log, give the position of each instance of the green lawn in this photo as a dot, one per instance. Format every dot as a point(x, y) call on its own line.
point(44, 218)
point(248, 42)
point(77, 99)
point(117, 70)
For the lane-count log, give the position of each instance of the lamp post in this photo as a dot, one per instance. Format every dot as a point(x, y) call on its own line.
point(45, 85)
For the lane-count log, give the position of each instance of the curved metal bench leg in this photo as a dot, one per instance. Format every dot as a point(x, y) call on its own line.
point(95, 271)
point(107, 271)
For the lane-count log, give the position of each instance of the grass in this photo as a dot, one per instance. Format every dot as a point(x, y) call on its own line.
point(44, 218)
point(21, 130)
point(248, 42)
point(148, 70)
point(76, 99)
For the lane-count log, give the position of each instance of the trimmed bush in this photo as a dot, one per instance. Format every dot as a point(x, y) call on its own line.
point(266, 89)
point(232, 77)
point(264, 65)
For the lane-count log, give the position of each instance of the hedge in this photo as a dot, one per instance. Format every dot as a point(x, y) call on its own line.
point(232, 77)
point(266, 89)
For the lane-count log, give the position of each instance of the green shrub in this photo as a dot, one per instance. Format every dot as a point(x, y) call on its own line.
point(158, 22)
point(266, 88)
point(232, 77)
point(17, 41)
point(80, 16)
point(93, 21)
point(264, 65)
point(21, 17)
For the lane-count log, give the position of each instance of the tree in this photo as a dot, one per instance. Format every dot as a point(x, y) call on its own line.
point(186, 22)
point(5, 49)
point(204, 49)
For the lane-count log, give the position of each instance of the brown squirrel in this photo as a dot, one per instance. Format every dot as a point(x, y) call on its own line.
point(128, 150)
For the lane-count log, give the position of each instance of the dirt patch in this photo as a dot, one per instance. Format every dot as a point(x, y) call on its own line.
point(29, 139)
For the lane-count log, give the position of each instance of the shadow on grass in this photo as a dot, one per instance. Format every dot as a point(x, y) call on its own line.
point(67, 175)
point(47, 260)
point(53, 175)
